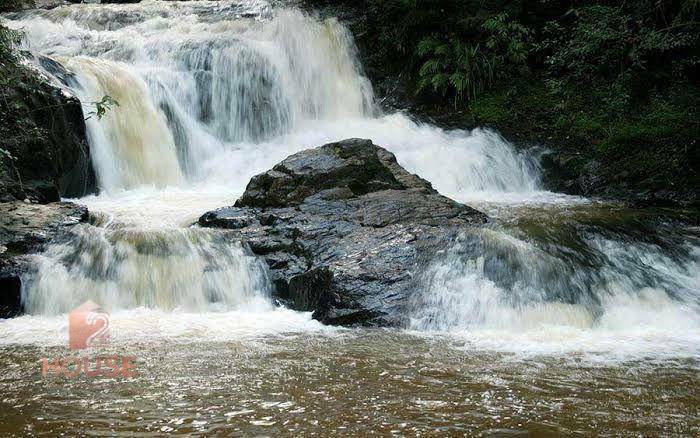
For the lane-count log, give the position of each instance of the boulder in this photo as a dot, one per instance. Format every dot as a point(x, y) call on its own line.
point(44, 153)
point(25, 229)
point(343, 229)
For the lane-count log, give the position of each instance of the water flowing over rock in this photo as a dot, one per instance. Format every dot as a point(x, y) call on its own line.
point(213, 93)
point(343, 229)
point(218, 74)
point(25, 229)
point(521, 309)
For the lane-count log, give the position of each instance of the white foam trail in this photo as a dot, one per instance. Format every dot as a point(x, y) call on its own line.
point(152, 208)
point(148, 326)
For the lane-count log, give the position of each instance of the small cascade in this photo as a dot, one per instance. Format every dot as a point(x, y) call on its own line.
point(123, 267)
point(578, 277)
point(131, 145)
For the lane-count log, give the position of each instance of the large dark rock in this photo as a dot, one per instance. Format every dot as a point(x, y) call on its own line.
point(44, 153)
point(25, 229)
point(343, 229)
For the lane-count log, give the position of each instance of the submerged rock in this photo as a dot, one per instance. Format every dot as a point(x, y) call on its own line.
point(343, 229)
point(25, 229)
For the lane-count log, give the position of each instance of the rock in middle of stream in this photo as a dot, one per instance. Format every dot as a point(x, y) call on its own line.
point(344, 230)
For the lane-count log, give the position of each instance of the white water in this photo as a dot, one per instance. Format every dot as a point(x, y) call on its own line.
point(497, 291)
point(211, 94)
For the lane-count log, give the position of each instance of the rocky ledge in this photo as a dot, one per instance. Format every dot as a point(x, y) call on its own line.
point(343, 229)
point(25, 229)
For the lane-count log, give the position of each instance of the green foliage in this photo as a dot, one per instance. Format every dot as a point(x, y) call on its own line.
point(631, 49)
point(507, 40)
point(454, 68)
point(102, 106)
point(8, 39)
point(463, 70)
point(456, 49)
point(5, 155)
point(597, 44)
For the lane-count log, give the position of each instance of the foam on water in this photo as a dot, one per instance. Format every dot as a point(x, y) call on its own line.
point(141, 325)
point(594, 294)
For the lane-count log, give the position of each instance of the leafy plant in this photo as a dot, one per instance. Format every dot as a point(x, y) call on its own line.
point(8, 39)
point(630, 50)
point(507, 40)
point(464, 69)
point(102, 106)
point(455, 68)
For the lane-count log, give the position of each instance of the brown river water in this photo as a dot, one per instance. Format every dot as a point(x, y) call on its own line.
point(356, 382)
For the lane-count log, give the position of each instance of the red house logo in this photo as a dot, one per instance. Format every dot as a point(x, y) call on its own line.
point(88, 325)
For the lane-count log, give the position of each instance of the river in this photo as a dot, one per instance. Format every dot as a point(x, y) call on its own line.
point(564, 315)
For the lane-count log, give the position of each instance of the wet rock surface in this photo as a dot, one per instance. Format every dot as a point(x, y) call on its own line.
point(25, 229)
point(44, 153)
point(344, 229)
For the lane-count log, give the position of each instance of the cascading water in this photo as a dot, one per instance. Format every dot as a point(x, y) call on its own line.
point(122, 268)
point(193, 82)
point(213, 93)
point(572, 277)
point(189, 91)
point(519, 327)
point(133, 145)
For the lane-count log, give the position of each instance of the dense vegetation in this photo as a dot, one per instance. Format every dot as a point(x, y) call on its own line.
point(610, 85)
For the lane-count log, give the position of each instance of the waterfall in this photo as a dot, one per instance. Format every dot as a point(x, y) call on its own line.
point(211, 93)
point(196, 84)
point(130, 146)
